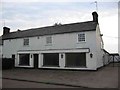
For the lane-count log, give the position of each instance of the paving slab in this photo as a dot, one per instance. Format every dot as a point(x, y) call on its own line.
point(105, 77)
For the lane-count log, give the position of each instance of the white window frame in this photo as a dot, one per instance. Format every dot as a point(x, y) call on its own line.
point(48, 40)
point(79, 37)
point(24, 43)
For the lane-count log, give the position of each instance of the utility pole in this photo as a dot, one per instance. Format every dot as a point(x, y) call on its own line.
point(4, 22)
point(96, 6)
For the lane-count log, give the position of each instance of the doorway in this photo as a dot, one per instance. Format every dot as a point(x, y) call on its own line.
point(36, 58)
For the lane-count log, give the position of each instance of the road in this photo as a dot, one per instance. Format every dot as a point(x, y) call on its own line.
point(105, 77)
point(24, 84)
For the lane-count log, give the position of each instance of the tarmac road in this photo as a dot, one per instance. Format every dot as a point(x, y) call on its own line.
point(24, 84)
point(105, 77)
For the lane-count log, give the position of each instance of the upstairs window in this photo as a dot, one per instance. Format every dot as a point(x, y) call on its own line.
point(81, 37)
point(26, 42)
point(49, 40)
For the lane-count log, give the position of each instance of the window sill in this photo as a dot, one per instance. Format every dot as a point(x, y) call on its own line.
point(76, 66)
point(51, 66)
point(81, 42)
point(25, 45)
point(23, 65)
point(48, 45)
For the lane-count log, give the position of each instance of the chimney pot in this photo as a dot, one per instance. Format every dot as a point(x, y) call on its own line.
point(95, 17)
point(6, 30)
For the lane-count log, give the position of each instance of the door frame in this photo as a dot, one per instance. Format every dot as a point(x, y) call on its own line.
point(36, 61)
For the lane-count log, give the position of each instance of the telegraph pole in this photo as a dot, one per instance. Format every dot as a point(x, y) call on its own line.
point(4, 22)
point(96, 6)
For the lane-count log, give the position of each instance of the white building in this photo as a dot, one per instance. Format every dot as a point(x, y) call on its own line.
point(114, 57)
point(68, 46)
point(0, 48)
point(106, 57)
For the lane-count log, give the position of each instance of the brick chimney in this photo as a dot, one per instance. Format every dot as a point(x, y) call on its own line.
point(95, 17)
point(6, 30)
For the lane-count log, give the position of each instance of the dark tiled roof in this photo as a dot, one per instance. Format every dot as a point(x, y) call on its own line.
point(114, 54)
point(106, 51)
point(50, 30)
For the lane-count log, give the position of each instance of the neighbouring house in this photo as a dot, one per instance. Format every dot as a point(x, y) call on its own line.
point(110, 57)
point(114, 57)
point(106, 57)
point(68, 46)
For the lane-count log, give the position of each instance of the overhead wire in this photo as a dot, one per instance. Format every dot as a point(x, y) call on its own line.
point(110, 36)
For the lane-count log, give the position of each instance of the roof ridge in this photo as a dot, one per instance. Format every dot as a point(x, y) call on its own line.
point(51, 26)
point(50, 30)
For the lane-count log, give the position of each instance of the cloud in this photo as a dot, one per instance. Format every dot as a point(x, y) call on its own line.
point(40, 13)
point(111, 48)
point(59, 1)
point(23, 21)
point(109, 27)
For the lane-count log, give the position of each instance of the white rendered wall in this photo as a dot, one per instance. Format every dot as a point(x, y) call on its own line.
point(0, 51)
point(59, 41)
point(106, 58)
point(99, 51)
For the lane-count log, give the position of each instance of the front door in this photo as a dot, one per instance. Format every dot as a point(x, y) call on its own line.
point(35, 60)
point(13, 57)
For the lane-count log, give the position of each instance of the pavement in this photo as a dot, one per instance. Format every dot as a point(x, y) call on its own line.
point(105, 77)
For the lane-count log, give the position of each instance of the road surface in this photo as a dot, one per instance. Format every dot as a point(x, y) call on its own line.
point(24, 84)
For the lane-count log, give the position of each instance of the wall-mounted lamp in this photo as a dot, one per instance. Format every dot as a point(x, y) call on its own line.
point(61, 55)
point(91, 55)
point(101, 34)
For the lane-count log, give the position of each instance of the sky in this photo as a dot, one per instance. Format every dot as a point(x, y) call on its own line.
point(26, 14)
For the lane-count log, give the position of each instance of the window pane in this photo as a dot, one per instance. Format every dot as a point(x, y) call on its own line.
point(81, 37)
point(48, 40)
point(24, 59)
point(26, 41)
point(75, 59)
point(51, 59)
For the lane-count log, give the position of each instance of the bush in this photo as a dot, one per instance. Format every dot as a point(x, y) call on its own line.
point(7, 63)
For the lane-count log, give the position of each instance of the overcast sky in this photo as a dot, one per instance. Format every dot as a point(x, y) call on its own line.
point(26, 14)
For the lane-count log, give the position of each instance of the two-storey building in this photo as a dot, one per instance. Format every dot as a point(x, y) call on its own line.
point(67, 46)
